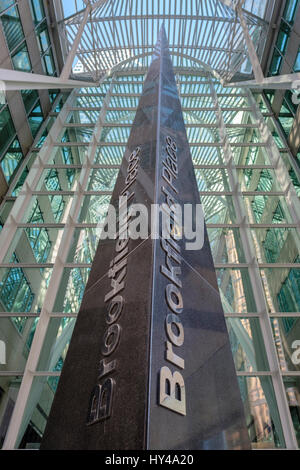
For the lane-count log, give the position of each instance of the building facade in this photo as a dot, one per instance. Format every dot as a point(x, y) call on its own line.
point(60, 155)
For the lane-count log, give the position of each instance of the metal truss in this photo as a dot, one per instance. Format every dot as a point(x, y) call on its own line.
point(110, 36)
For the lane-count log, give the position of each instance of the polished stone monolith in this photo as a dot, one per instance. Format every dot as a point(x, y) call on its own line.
point(149, 365)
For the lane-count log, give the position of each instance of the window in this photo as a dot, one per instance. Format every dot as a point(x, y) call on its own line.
point(40, 243)
point(49, 63)
point(43, 37)
point(45, 49)
point(276, 63)
point(259, 202)
point(275, 238)
point(11, 160)
point(29, 97)
point(4, 4)
point(290, 10)
point(270, 95)
point(52, 95)
point(280, 48)
point(296, 67)
point(37, 11)
point(7, 129)
point(282, 38)
point(12, 28)
point(287, 113)
point(289, 294)
point(20, 182)
point(35, 119)
point(21, 60)
point(15, 291)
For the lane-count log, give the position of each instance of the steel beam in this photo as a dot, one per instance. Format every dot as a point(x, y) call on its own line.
point(15, 80)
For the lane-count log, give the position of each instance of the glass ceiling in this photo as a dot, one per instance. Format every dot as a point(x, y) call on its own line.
point(121, 35)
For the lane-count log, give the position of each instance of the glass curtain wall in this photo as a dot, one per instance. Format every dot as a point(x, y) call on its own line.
point(249, 189)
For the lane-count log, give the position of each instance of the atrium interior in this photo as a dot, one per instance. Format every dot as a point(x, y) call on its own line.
point(72, 72)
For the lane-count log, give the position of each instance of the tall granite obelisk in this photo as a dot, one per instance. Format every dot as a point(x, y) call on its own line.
point(149, 365)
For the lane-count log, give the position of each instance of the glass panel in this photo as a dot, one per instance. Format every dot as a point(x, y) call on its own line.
point(123, 116)
point(15, 332)
point(83, 117)
point(52, 95)
point(232, 101)
point(296, 67)
point(218, 209)
point(226, 245)
point(11, 160)
point(115, 134)
point(7, 129)
point(282, 37)
point(282, 288)
point(89, 101)
point(207, 155)
point(29, 98)
point(38, 10)
point(109, 155)
point(265, 209)
point(270, 94)
point(71, 290)
point(276, 63)
point(12, 27)
point(48, 209)
point(68, 155)
point(9, 389)
point(43, 136)
point(250, 155)
point(5, 4)
point(5, 211)
point(34, 245)
point(94, 209)
point(247, 344)
point(37, 412)
point(290, 10)
point(20, 182)
point(292, 387)
point(286, 123)
point(43, 37)
point(83, 246)
point(286, 331)
point(202, 134)
point(102, 179)
point(236, 117)
point(235, 290)
point(60, 179)
point(262, 417)
point(258, 180)
point(276, 245)
point(242, 134)
point(23, 289)
point(212, 179)
point(21, 60)
point(35, 119)
point(192, 102)
point(49, 63)
point(76, 134)
point(56, 345)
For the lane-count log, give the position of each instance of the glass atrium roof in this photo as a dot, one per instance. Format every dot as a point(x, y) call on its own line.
point(121, 35)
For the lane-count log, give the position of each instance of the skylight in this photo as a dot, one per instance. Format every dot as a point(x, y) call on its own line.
point(201, 33)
